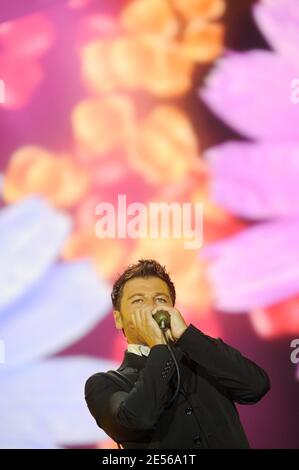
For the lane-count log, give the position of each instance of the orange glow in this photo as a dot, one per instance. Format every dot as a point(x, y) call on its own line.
point(205, 9)
point(165, 149)
point(130, 60)
point(280, 319)
point(213, 212)
point(195, 188)
point(107, 254)
point(170, 70)
point(203, 42)
point(96, 67)
point(156, 48)
point(100, 125)
point(218, 222)
point(107, 444)
point(149, 16)
point(137, 62)
point(186, 268)
point(149, 63)
point(33, 170)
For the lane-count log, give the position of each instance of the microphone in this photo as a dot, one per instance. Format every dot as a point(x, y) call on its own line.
point(162, 317)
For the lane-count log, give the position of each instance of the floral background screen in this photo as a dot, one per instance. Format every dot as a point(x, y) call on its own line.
point(160, 100)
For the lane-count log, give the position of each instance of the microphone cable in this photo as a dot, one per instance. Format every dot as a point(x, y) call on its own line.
point(176, 365)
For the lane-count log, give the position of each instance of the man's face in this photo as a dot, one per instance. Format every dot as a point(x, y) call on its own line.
point(138, 292)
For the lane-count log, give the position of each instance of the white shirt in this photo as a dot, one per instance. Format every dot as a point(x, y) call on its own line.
point(139, 349)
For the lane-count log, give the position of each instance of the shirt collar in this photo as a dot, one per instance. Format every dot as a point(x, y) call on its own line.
point(139, 349)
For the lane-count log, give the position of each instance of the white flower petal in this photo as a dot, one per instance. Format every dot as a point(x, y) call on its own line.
point(64, 306)
point(31, 235)
point(46, 399)
point(24, 442)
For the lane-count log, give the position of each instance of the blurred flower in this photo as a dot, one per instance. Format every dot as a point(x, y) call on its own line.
point(266, 187)
point(257, 267)
point(149, 16)
point(94, 26)
point(42, 403)
point(157, 46)
point(203, 42)
point(124, 143)
point(33, 170)
point(145, 62)
point(186, 269)
point(257, 270)
point(22, 43)
point(278, 319)
point(84, 243)
point(205, 9)
point(165, 146)
point(45, 306)
point(102, 124)
point(194, 291)
point(97, 71)
point(137, 62)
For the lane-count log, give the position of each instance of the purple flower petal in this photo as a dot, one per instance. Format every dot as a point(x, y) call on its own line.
point(251, 92)
point(48, 403)
point(279, 22)
point(255, 268)
point(31, 236)
point(255, 180)
point(63, 307)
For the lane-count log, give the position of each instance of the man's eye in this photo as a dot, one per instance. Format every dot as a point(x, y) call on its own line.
point(137, 300)
point(160, 298)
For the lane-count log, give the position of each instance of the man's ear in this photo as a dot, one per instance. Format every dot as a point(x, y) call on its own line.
point(118, 319)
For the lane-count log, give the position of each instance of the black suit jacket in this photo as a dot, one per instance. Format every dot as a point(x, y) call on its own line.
point(214, 375)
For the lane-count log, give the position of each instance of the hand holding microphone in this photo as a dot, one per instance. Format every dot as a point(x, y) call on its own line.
point(152, 323)
point(162, 317)
point(170, 320)
point(146, 327)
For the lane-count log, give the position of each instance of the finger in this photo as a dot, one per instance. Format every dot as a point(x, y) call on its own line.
point(171, 336)
point(139, 322)
point(134, 319)
point(168, 334)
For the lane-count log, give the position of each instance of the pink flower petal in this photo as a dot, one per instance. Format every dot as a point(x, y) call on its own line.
point(255, 268)
point(255, 181)
point(21, 76)
point(29, 36)
point(278, 20)
point(251, 92)
point(277, 320)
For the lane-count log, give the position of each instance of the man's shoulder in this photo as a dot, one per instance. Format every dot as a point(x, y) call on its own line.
point(98, 380)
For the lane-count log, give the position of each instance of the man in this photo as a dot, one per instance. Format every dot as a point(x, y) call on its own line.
point(135, 408)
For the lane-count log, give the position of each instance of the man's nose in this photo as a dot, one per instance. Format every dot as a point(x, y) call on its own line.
point(150, 304)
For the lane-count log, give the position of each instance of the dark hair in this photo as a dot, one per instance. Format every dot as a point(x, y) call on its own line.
point(144, 268)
